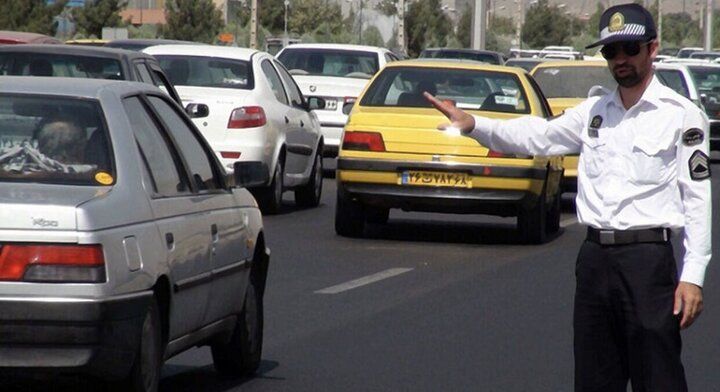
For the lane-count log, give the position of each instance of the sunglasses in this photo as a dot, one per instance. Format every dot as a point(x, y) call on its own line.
point(630, 48)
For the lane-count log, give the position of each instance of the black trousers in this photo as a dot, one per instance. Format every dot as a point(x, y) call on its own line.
point(623, 321)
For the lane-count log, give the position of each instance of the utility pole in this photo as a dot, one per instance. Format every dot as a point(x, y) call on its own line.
point(253, 24)
point(708, 25)
point(401, 26)
point(478, 25)
point(520, 22)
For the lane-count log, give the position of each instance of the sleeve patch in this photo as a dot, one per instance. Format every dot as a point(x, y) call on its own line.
point(693, 137)
point(699, 166)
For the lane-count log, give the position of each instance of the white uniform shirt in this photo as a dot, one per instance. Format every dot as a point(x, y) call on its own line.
point(634, 167)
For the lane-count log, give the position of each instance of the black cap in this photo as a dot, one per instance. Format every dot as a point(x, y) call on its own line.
point(625, 22)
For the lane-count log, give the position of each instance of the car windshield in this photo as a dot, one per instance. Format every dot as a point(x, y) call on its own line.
point(45, 64)
point(572, 82)
point(468, 89)
point(329, 62)
point(53, 140)
point(202, 71)
point(673, 78)
point(458, 54)
point(707, 80)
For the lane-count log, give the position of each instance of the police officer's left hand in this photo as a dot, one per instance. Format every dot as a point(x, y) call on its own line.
point(689, 301)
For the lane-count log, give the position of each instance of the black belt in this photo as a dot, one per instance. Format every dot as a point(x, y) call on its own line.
point(621, 237)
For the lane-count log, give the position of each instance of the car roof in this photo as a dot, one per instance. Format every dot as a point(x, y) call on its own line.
point(571, 63)
point(457, 64)
point(662, 65)
point(337, 47)
point(461, 50)
point(229, 52)
point(61, 86)
point(77, 50)
point(152, 41)
point(26, 36)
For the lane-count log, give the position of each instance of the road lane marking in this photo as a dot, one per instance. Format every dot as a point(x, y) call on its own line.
point(568, 222)
point(365, 280)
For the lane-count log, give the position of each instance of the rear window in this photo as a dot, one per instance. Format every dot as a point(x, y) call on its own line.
point(327, 62)
point(43, 64)
point(573, 82)
point(469, 89)
point(207, 71)
point(53, 140)
point(673, 78)
point(456, 54)
point(707, 80)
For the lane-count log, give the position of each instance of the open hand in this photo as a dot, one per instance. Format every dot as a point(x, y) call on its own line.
point(458, 118)
point(689, 301)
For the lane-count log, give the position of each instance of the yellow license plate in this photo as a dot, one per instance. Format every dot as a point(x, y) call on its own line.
point(443, 179)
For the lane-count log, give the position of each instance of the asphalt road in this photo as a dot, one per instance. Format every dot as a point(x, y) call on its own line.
point(444, 303)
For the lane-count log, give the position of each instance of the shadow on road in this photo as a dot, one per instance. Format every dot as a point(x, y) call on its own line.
point(206, 379)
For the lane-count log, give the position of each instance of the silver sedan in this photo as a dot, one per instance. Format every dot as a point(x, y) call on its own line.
point(122, 240)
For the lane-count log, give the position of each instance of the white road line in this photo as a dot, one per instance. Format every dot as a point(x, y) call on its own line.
point(568, 222)
point(365, 280)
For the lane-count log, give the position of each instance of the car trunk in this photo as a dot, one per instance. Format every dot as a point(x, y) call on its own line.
point(221, 102)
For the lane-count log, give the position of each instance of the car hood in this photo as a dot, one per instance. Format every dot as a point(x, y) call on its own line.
point(559, 105)
point(43, 207)
point(414, 130)
point(328, 86)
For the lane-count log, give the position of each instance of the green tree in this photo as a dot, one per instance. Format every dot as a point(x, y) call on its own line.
point(192, 20)
point(371, 36)
point(594, 21)
point(272, 14)
point(680, 28)
point(307, 15)
point(34, 16)
point(545, 25)
point(387, 7)
point(97, 14)
point(426, 26)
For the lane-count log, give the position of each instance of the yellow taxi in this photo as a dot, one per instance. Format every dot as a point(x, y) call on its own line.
point(393, 156)
point(567, 83)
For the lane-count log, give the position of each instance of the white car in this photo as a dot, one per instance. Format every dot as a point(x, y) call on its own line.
point(678, 77)
point(249, 108)
point(338, 74)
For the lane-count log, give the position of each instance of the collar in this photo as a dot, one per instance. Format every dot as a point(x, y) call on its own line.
point(652, 94)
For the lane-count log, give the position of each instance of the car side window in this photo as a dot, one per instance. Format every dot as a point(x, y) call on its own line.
point(191, 148)
point(296, 96)
point(275, 83)
point(389, 58)
point(547, 112)
point(155, 151)
point(144, 73)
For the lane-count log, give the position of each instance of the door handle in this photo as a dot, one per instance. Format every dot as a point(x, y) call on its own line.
point(287, 120)
point(170, 240)
point(302, 124)
point(214, 232)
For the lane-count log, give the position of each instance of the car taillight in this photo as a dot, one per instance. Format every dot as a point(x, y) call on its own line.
point(363, 141)
point(347, 100)
point(230, 154)
point(247, 117)
point(52, 263)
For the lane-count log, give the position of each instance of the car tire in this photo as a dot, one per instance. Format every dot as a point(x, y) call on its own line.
point(309, 194)
point(349, 215)
point(144, 375)
point(531, 222)
point(241, 355)
point(270, 198)
point(553, 216)
point(377, 215)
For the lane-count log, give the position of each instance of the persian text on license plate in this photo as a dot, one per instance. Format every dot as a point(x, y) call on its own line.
point(444, 179)
point(330, 103)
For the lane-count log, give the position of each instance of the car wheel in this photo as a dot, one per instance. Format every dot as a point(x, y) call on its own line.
point(553, 216)
point(349, 215)
point(531, 222)
point(377, 215)
point(309, 194)
point(270, 197)
point(144, 375)
point(241, 355)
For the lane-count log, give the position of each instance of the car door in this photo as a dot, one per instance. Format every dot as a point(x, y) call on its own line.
point(304, 140)
point(181, 221)
point(224, 224)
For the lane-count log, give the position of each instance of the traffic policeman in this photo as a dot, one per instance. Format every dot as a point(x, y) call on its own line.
point(643, 174)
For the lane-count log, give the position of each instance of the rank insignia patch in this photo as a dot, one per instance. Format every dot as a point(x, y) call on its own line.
point(693, 137)
point(596, 122)
point(699, 166)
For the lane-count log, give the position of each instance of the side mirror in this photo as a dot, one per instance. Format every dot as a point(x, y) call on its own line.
point(197, 110)
point(315, 103)
point(250, 173)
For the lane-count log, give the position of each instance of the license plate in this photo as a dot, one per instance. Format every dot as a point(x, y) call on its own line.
point(440, 179)
point(331, 104)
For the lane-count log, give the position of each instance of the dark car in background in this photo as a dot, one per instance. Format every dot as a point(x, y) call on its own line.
point(140, 44)
point(526, 63)
point(486, 56)
point(84, 62)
